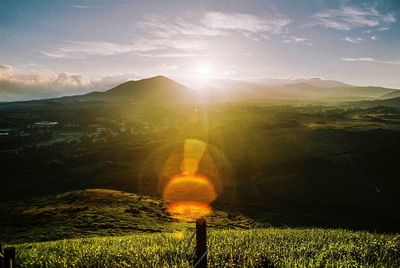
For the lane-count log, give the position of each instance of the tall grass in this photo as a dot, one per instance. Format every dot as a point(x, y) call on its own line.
point(270, 247)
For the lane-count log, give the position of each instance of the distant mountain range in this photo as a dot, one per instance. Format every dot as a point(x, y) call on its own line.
point(163, 90)
point(299, 89)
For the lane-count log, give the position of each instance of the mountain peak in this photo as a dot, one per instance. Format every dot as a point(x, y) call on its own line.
point(157, 89)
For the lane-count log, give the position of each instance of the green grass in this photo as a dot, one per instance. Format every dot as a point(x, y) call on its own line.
point(269, 247)
point(95, 212)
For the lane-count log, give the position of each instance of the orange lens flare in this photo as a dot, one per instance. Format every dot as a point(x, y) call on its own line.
point(188, 210)
point(191, 188)
point(189, 166)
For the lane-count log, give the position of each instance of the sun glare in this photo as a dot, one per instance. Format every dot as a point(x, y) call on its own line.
point(204, 70)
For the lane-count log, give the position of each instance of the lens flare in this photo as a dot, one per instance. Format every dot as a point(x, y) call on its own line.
point(188, 210)
point(193, 188)
point(191, 179)
point(193, 152)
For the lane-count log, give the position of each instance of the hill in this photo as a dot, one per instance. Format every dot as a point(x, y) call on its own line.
point(393, 102)
point(390, 95)
point(94, 212)
point(154, 90)
point(310, 90)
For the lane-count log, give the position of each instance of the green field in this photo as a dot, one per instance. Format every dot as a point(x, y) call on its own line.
point(299, 185)
point(271, 247)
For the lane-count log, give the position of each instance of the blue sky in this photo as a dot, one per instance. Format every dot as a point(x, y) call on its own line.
point(62, 47)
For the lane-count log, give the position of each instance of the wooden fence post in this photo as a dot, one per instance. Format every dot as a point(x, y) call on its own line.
point(9, 257)
point(200, 257)
point(1, 257)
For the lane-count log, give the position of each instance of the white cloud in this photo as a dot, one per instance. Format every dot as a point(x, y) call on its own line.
point(356, 40)
point(348, 18)
point(295, 39)
point(142, 46)
point(370, 60)
point(5, 71)
point(168, 67)
point(161, 37)
point(244, 22)
point(17, 85)
point(82, 49)
point(163, 28)
point(212, 24)
point(79, 6)
point(358, 59)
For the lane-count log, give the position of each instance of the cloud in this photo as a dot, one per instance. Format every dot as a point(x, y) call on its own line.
point(348, 18)
point(358, 59)
point(141, 47)
point(79, 6)
point(16, 85)
point(164, 28)
point(163, 37)
point(353, 40)
point(370, 60)
point(82, 49)
point(5, 71)
point(244, 22)
point(295, 39)
point(214, 24)
point(168, 67)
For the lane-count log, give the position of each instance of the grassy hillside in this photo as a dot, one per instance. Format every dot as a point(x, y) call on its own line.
point(227, 248)
point(94, 212)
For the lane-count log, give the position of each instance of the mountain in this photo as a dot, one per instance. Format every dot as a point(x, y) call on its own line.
point(390, 95)
point(310, 81)
point(154, 90)
point(310, 89)
point(162, 90)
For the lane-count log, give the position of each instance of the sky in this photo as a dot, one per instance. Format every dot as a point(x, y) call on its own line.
point(51, 48)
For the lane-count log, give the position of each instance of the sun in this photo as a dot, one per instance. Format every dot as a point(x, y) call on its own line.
point(204, 70)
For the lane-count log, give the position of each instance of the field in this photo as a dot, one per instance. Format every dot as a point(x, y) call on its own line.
point(269, 247)
point(299, 184)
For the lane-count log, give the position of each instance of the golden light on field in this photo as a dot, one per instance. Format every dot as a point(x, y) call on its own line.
point(189, 210)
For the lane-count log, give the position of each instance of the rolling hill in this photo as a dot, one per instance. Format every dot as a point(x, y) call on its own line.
point(95, 212)
point(390, 95)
